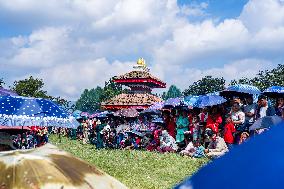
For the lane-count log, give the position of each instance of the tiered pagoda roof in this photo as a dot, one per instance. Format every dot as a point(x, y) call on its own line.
point(141, 83)
point(138, 76)
point(137, 101)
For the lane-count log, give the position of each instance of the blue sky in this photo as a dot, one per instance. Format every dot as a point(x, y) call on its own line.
point(78, 44)
point(220, 9)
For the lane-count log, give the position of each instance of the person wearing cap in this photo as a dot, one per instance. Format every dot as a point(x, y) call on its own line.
point(217, 146)
point(264, 109)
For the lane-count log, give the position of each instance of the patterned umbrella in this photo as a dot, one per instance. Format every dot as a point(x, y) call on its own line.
point(6, 92)
point(190, 100)
point(240, 90)
point(274, 91)
point(208, 100)
point(26, 111)
point(48, 167)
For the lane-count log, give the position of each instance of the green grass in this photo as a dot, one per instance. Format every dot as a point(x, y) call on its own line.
point(136, 169)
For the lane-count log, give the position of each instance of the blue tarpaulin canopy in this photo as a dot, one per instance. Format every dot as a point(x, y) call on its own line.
point(28, 111)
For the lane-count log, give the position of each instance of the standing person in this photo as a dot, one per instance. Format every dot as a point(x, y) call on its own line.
point(229, 131)
point(214, 120)
point(182, 124)
point(85, 128)
point(170, 122)
point(264, 109)
point(279, 106)
point(100, 126)
point(238, 116)
point(249, 110)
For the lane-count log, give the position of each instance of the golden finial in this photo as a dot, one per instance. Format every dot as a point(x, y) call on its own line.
point(141, 64)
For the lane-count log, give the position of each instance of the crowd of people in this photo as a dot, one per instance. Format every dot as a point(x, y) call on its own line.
point(208, 132)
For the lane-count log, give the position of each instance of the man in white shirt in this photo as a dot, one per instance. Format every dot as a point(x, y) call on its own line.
point(264, 109)
point(249, 110)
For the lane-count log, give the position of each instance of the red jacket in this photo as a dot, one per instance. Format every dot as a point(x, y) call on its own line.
point(228, 133)
point(214, 122)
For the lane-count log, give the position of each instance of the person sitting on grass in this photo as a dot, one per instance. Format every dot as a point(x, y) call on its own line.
point(167, 143)
point(199, 150)
point(217, 146)
point(190, 149)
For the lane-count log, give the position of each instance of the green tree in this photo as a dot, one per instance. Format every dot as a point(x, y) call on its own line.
point(111, 89)
point(90, 100)
point(31, 87)
point(207, 84)
point(173, 92)
point(265, 79)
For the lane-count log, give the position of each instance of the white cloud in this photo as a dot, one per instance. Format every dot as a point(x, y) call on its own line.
point(75, 44)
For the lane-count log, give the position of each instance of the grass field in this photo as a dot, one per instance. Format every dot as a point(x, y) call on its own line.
point(136, 169)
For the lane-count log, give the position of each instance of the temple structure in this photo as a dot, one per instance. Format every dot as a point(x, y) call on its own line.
point(141, 83)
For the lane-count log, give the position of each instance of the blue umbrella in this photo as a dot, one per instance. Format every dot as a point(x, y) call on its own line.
point(256, 164)
point(208, 100)
point(189, 100)
point(6, 92)
point(25, 111)
point(77, 114)
point(240, 90)
point(158, 120)
point(173, 102)
point(157, 106)
point(266, 122)
point(274, 91)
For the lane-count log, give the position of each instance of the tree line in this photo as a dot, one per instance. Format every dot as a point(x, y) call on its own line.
point(91, 99)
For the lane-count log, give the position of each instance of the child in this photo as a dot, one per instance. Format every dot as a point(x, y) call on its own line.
point(199, 150)
point(229, 131)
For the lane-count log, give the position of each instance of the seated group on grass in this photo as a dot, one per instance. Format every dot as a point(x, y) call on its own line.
point(208, 132)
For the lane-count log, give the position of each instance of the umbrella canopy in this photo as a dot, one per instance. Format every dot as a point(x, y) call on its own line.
point(266, 122)
point(157, 106)
point(49, 167)
point(258, 163)
point(240, 90)
point(151, 111)
point(77, 114)
point(85, 114)
point(6, 92)
point(131, 112)
point(173, 102)
point(274, 91)
point(26, 111)
point(190, 100)
point(208, 100)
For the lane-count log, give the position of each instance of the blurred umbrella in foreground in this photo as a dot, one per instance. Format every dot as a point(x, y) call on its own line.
point(49, 167)
point(258, 163)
